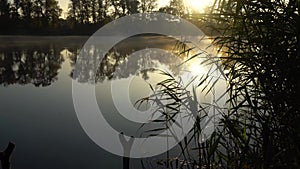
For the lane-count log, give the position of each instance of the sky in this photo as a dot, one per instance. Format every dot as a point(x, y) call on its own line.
point(64, 5)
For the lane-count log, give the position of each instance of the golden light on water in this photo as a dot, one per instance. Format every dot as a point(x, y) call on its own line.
point(196, 68)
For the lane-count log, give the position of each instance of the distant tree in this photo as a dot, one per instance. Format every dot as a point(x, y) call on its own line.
point(102, 9)
point(15, 9)
point(85, 11)
point(119, 7)
point(177, 6)
point(26, 9)
point(169, 10)
point(132, 6)
point(39, 13)
point(76, 10)
point(73, 11)
point(148, 5)
point(124, 7)
point(38, 8)
point(4, 8)
point(99, 11)
point(93, 10)
point(52, 12)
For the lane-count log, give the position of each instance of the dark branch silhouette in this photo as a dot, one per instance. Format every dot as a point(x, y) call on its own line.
point(5, 156)
point(127, 144)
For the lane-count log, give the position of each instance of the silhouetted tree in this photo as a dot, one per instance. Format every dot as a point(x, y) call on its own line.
point(73, 11)
point(102, 10)
point(84, 16)
point(15, 9)
point(177, 6)
point(38, 12)
point(93, 10)
point(85, 11)
point(119, 7)
point(4, 8)
point(132, 6)
point(52, 12)
point(38, 9)
point(26, 9)
point(148, 5)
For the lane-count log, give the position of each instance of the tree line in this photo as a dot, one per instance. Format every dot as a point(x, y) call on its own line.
point(83, 16)
point(29, 16)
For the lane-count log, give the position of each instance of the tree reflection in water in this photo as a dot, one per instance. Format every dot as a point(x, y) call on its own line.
point(39, 64)
point(119, 63)
point(36, 66)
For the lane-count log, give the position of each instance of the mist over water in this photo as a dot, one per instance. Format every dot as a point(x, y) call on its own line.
point(37, 111)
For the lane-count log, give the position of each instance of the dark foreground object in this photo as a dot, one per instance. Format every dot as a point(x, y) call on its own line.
point(5, 156)
point(126, 163)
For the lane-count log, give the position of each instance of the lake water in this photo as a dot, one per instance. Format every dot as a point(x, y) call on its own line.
point(36, 106)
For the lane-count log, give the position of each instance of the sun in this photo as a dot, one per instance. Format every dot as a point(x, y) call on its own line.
point(198, 5)
point(196, 68)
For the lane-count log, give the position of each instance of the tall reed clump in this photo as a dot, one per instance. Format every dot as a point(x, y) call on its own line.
point(260, 42)
point(261, 45)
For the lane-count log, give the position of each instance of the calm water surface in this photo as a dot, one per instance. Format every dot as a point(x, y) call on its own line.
point(36, 107)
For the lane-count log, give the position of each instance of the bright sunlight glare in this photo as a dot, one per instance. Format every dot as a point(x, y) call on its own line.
point(198, 5)
point(196, 68)
point(193, 5)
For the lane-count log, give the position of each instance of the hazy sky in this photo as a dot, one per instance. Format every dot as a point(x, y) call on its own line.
point(64, 4)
